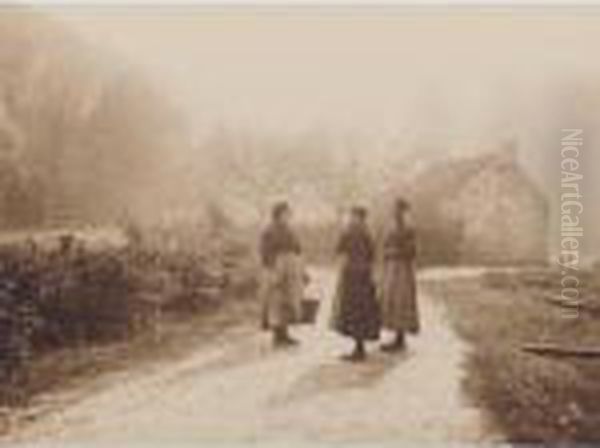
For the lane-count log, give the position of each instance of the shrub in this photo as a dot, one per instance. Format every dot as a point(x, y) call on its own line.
point(74, 296)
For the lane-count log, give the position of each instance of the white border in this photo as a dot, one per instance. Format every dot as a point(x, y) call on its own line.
point(519, 4)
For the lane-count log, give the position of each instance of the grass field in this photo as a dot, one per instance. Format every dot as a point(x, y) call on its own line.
point(532, 398)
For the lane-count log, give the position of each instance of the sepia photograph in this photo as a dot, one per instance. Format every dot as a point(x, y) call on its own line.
point(299, 224)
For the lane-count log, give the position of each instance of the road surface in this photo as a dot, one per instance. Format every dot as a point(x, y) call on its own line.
point(241, 390)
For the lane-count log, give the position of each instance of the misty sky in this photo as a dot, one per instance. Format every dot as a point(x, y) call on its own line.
point(455, 80)
point(381, 71)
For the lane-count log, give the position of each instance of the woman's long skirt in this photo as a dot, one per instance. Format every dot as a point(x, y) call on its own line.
point(281, 290)
point(399, 310)
point(355, 309)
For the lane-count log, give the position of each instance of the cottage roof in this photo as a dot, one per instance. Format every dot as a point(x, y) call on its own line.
point(443, 180)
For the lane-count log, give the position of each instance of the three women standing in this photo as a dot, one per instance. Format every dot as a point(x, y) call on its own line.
point(358, 311)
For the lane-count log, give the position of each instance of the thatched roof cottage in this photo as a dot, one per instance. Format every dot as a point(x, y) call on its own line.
point(484, 209)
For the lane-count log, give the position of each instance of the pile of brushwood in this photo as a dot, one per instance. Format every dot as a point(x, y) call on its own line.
point(72, 296)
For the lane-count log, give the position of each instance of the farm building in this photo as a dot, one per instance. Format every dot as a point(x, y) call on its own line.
point(483, 209)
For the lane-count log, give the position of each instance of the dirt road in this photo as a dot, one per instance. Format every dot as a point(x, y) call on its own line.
point(242, 390)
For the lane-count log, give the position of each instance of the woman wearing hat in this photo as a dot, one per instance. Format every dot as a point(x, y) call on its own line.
point(355, 310)
point(283, 276)
point(398, 288)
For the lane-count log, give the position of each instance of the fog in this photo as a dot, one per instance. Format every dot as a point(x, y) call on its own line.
point(373, 87)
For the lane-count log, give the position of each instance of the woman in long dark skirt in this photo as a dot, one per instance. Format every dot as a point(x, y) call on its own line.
point(356, 312)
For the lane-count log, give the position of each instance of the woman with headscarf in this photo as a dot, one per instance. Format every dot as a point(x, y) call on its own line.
point(399, 309)
point(283, 276)
point(355, 310)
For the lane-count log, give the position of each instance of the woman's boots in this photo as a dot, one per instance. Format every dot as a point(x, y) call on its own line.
point(359, 354)
point(281, 337)
point(397, 345)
